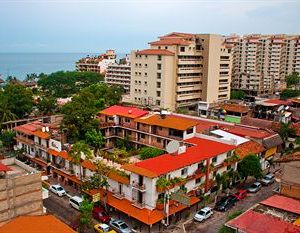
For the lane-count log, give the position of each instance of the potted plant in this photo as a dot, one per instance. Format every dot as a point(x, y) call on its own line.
point(160, 204)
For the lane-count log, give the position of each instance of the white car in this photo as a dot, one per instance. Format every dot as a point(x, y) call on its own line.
point(268, 179)
point(203, 214)
point(57, 189)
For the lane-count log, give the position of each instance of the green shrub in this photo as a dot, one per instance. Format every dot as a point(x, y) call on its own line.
point(149, 152)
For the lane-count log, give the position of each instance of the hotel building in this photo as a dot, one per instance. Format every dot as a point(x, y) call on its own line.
point(119, 74)
point(261, 62)
point(97, 64)
point(203, 153)
point(180, 70)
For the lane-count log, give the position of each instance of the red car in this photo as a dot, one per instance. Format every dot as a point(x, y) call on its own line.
point(241, 194)
point(100, 214)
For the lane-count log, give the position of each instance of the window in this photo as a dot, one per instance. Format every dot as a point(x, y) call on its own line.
point(158, 140)
point(146, 83)
point(182, 49)
point(190, 130)
point(159, 57)
point(158, 75)
point(158, 93)
point(157, 102)
point(142, 135)
point(146, 74)
point(200, 166)
point(159, 66)
point(145, 91)
point(146, 65)
point(198, 180)
point(166, 47)
point(215, 159)
point(158, 85)
point(184, 171)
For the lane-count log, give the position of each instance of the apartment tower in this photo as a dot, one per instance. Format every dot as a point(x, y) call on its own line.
point(261, 62)
point(180, 70)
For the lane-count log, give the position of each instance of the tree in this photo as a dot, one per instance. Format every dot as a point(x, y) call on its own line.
point(250, 166)
point(292, 79)
point(80, 113)
point(95, 139)
point(289, 93)
point(63, 84)
point(149, 152)
point(85, 210)
point(237, 94)
point(5, 111)
point(286, 130)
point(47, 105)
point(19, 99)
point(7, 138)
point(79, 151)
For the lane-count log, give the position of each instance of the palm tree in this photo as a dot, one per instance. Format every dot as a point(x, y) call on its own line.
point(78, 152)
point(5, 112)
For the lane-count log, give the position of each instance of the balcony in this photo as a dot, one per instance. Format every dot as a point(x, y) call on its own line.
point(105, 125)
point(119, 195)
point(40, 146)
point(137, 186)
point(140, 205)
point(24, 140)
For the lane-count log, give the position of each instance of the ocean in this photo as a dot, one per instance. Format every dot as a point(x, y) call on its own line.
point(21, 64)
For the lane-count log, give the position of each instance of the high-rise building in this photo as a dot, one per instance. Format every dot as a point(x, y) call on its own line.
point(181, 70)
point(119, 74)
point(96, 64)
point(261, 62)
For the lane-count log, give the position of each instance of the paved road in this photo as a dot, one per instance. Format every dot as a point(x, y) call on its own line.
point(213, 224)
point(59, 206)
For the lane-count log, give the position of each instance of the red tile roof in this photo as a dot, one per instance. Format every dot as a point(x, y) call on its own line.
point(283, 203)
point(170, 41)
point(250, 147)
point(130, 112)
point(204, 149)
point(34, 224)
point(168, 121)
point(246, 131)
point(277, 102)
point(253, 222)
point(4, 168)
point(235, 108)
point(155, 52)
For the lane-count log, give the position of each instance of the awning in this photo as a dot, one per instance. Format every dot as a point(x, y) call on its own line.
point(39, 161)
point(270, 152)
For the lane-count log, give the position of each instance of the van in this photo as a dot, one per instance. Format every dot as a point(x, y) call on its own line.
point(75, 202)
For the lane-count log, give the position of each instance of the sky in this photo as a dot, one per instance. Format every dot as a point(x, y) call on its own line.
point(124, 25)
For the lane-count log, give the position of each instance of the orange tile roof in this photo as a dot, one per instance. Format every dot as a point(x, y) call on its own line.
point(178, 34)
point(35, 224)
point(155, 52)
point(235, 108)
point(63, 154)
point(246, 131)
point(169, 121)
point(41, 134)
point(146, 216)
point(250, 147)
point(88, 165)
point(125, 111)
point(139, 170)
point(170, 41)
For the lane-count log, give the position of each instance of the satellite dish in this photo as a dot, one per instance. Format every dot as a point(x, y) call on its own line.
point(43, 129)
point(172, 147)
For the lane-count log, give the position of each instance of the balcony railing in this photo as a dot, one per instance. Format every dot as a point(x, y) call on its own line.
point(140, 205)
point(24, 139)
point(140, 187)
point(40, 146)
point(119, 195)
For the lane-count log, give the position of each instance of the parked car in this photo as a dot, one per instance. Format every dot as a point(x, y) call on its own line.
point(255, 187)
point(103, 228)
point(226, 203)
point(268, 179)
point(75, 202)
point(203, 214)
point(120, 226)
point(57, 189)
point(100, 214)
point(241, 194)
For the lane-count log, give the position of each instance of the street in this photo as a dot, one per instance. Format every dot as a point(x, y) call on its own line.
point(213, 224)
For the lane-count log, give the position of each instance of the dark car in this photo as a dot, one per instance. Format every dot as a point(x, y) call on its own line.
point(225, 203)
point(100, 214)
